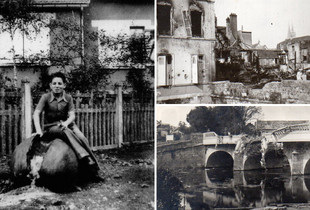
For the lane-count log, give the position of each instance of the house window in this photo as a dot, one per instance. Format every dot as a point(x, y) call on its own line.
point(196, 20)
point(137, 31)
point(163, 19)
point(304, 53)
point(196, 23)
point(124, 43)
point(29, 44)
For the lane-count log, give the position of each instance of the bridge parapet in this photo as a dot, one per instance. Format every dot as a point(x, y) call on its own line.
point(211, 138)
point(280, 133)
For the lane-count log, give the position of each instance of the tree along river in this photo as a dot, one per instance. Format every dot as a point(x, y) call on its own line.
point(199, 188)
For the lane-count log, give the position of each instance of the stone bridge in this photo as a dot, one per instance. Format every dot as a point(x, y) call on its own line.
point(293, 142)
point(285, 147)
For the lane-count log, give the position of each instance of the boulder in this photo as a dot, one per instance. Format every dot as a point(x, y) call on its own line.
point(57, 171)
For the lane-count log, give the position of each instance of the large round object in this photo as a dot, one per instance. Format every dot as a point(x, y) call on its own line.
point(59, 167)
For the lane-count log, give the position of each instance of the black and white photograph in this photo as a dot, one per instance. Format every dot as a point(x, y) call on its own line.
point(233, 52)
point(233, 157)
point(77, 99)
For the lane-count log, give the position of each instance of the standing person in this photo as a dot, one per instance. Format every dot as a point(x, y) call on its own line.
point(299, 74)
point(59, 118)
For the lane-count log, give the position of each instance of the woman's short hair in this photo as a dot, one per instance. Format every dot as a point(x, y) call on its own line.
point(58, 74)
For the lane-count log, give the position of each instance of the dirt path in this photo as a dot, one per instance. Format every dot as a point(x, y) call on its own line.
point(129, 184)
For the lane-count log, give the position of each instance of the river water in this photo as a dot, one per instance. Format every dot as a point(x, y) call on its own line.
point(199, 188)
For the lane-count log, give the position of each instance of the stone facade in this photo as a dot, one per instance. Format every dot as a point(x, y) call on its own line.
point(298, 51)
point(185, 43)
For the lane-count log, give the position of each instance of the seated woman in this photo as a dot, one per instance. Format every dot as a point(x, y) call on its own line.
point(59, 123)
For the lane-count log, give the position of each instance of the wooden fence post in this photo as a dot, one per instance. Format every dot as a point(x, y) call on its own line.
point(119, 116)
point(26, 110)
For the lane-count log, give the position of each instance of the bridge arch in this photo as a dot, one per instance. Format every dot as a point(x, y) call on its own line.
point(307, 168)
point(276, 159)
point(219, 159)
point(252, 162)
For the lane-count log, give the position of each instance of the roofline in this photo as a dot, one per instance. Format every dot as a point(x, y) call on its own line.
point(45, 4)
point(295, 39)
point(51, 5)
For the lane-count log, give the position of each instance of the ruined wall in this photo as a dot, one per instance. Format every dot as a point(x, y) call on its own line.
point(285, 92)
point(225, 92)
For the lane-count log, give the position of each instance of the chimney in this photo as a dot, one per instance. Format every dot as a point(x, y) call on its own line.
point(228, 31)
point(233, 25)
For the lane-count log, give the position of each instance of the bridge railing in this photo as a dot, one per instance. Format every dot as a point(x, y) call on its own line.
point(278, 134)
point(221, 140)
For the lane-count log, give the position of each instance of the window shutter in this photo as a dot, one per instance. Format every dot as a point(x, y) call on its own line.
point(187, 23)
point(194, 69)
point(161, 73)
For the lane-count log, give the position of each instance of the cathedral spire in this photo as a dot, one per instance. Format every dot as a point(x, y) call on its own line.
point(291, 33)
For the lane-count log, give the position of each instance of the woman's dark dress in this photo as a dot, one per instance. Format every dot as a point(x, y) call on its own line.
point(56, 111)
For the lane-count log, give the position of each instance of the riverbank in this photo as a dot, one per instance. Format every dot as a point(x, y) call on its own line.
point(128, 184)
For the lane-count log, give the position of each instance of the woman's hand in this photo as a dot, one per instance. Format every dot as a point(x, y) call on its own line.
point(63, 125)
point(40, 133)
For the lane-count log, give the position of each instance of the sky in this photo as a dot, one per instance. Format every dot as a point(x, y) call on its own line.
point(174, 114)
point(268, 20)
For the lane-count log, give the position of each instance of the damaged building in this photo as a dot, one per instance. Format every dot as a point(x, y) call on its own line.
point(185, 43)
point(235, 46)
point(297, 50)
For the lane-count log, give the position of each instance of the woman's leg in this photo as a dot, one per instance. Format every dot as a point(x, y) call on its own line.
point(57, 132)
point(85, 142)
point(79, 134)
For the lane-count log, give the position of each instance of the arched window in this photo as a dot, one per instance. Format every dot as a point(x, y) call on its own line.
point(196, 20)
point(164, 9)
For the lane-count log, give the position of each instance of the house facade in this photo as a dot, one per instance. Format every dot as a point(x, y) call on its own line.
point(119, 21)
point(34, 49)
point(298, 51)
point(185, 42)
point(83, 28)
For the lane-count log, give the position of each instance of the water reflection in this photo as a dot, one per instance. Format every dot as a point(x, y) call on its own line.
point(222, 188)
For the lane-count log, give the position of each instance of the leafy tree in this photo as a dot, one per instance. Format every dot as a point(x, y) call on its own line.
point(67, 54)
point(183, 128)
point(223, 119)
point(130, 52)
point(16, 16)
point(168, 190)
point(198, 120)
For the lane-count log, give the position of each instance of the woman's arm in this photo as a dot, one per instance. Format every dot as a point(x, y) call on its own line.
point(71, 114)
point(70, 119)
point(36, 114)
point(36, 119)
